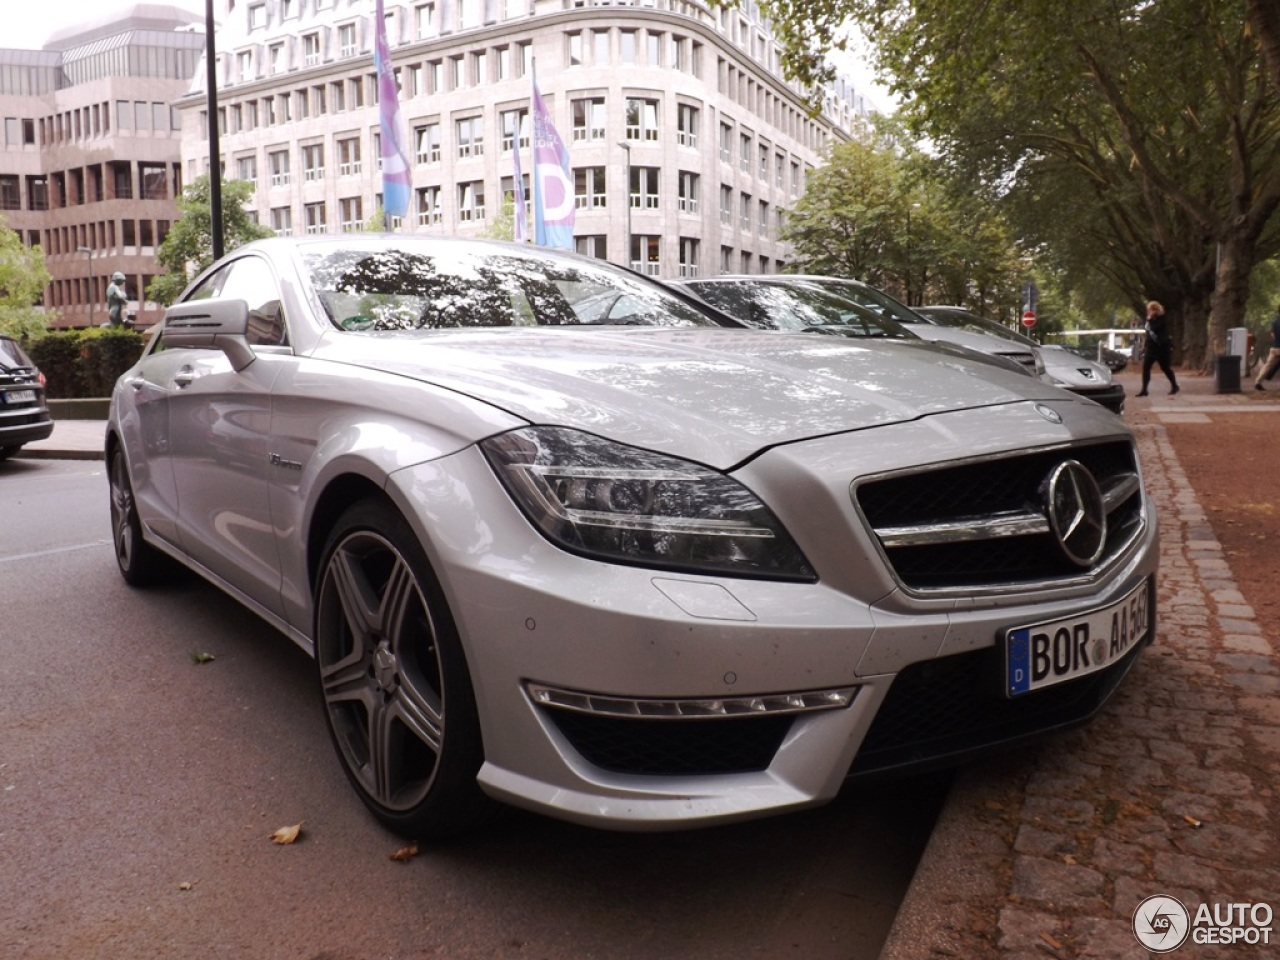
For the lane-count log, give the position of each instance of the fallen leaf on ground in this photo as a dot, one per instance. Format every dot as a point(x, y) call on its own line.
point(287, 835)
point(405, 853)
point(202, 657)
point(1049, 939)
point(1192, 820)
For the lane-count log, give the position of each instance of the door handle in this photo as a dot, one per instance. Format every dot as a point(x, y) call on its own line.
point(184, 377)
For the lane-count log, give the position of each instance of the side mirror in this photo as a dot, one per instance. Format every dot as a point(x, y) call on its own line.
point(211, 324)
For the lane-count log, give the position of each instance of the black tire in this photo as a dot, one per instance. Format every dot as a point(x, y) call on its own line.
point(141, 564)
point(7, 452)
point(394, 682)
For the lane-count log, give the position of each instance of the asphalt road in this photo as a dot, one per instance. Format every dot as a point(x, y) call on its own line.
point(139, 788)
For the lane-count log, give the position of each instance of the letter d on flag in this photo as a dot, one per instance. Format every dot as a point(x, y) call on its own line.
point(395, 162)
point(553, 206)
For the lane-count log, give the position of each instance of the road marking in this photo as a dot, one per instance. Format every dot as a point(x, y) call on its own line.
point(56, 550)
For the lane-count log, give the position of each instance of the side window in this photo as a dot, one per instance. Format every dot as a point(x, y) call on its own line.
point(251, 280)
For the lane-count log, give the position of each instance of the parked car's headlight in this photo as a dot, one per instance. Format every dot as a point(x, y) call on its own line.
point(614, 502)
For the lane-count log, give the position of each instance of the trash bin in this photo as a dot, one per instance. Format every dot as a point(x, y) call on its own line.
point(1228, 380)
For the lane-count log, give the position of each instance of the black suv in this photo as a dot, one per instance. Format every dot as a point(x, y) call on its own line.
point(23, 414)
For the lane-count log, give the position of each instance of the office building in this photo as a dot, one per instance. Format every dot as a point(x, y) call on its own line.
point(687, 147)
point(90, 150)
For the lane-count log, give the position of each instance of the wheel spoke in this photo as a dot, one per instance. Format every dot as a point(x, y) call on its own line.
point(356, 596)
point(348, 679)
point(419, 717)
point(383, 754)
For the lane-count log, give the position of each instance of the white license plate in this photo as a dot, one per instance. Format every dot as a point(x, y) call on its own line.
point(1044, 654)
point(19, 396)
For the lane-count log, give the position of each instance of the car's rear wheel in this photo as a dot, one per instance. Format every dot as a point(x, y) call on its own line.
point(140, 564)
point(396, 689)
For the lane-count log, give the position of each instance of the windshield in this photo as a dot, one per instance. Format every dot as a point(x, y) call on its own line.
point(796, 306)
point(874, 300)
point(963, 320)
point(429, 287)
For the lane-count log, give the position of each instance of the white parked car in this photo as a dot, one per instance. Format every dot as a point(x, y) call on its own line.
point(1061, 366)
point(627, 567)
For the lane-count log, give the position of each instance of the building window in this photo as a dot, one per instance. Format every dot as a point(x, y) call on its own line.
point(10, 192)
point(470, 135)
point(428, 143)
point(515, 123)
point(594, 245)
point(313, 217)
point(471, 201)
point(600, 48)
point(257, 16)
point(687, 125)
point(313, 161)
point(504, 63)
point(746, 212)
point(347, 40)
point(351, 214)
point(764, 162)
point(744, 156)
point(726, 204)
point(424, 15)
point(574, 41)
point(480, 68)
point(247, 170)
point(688, 192)
point(762, 224)
point(589, 188)
point(311, 49)
point(278, 161)
point(726, 259)
point(688, 257)
point(646, 254)
point(795, 179)
point(726, 143)
point(154, 182)
point(642, 119)
point(653, 49)
point(275, 58)
point(627, 47)
point(244, 65)
point(588, 119)
point(355, 87)
point(349, 156)
point(429, 211)
point(338, 96)
point(643, 189)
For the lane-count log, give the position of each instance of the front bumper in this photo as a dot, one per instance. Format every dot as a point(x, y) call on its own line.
point(655, 646)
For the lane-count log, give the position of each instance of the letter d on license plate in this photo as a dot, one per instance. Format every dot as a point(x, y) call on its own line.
point(1043, 654)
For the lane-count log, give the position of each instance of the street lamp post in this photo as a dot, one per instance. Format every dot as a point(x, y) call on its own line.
point(626, 198)
point(88, 259)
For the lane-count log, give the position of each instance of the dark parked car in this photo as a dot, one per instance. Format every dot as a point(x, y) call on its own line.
point(24, 418)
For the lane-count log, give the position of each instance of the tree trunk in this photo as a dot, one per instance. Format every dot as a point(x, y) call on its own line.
point(1231, 292)
point(1264, 18)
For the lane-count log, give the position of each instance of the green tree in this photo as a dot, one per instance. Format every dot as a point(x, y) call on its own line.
point(503, 226)
point(23, 277)
point(188, 247)
point(1151, 125)
point(883, 213)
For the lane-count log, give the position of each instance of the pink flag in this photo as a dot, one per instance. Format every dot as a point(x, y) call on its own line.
point(553, 206)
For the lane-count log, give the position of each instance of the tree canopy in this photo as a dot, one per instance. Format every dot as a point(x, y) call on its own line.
point(23, 277)
point(188, 247)
point(1135, 144)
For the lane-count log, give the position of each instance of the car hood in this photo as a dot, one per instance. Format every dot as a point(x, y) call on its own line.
point(1073, 370)
point(717, 396)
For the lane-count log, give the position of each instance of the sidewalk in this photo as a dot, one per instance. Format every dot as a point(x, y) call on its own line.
point(1171, 791)
point(70, 440)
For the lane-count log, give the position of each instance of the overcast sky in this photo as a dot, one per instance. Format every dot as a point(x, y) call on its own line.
point(29, 31)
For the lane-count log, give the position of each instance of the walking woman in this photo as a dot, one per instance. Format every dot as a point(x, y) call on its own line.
point(1157, 349)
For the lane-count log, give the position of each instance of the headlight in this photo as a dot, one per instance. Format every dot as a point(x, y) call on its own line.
point(612, 502)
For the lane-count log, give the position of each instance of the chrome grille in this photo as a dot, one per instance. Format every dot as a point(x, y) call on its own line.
point(986, 524)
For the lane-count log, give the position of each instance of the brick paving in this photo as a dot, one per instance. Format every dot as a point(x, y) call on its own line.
point(1171, 790)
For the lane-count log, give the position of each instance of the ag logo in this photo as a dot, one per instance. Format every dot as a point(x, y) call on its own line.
point(1161, 924)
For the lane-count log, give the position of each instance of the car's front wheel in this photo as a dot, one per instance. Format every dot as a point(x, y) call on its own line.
point(397, 692)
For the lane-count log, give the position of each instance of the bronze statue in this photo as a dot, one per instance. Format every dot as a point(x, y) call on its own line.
point(116, 299)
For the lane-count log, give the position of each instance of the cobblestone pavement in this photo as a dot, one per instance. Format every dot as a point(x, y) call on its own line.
point(1172, 790)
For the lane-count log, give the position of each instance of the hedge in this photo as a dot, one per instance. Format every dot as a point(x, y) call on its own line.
point(79, 364)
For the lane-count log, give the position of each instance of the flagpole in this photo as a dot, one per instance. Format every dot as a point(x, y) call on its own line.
point(533, 144)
